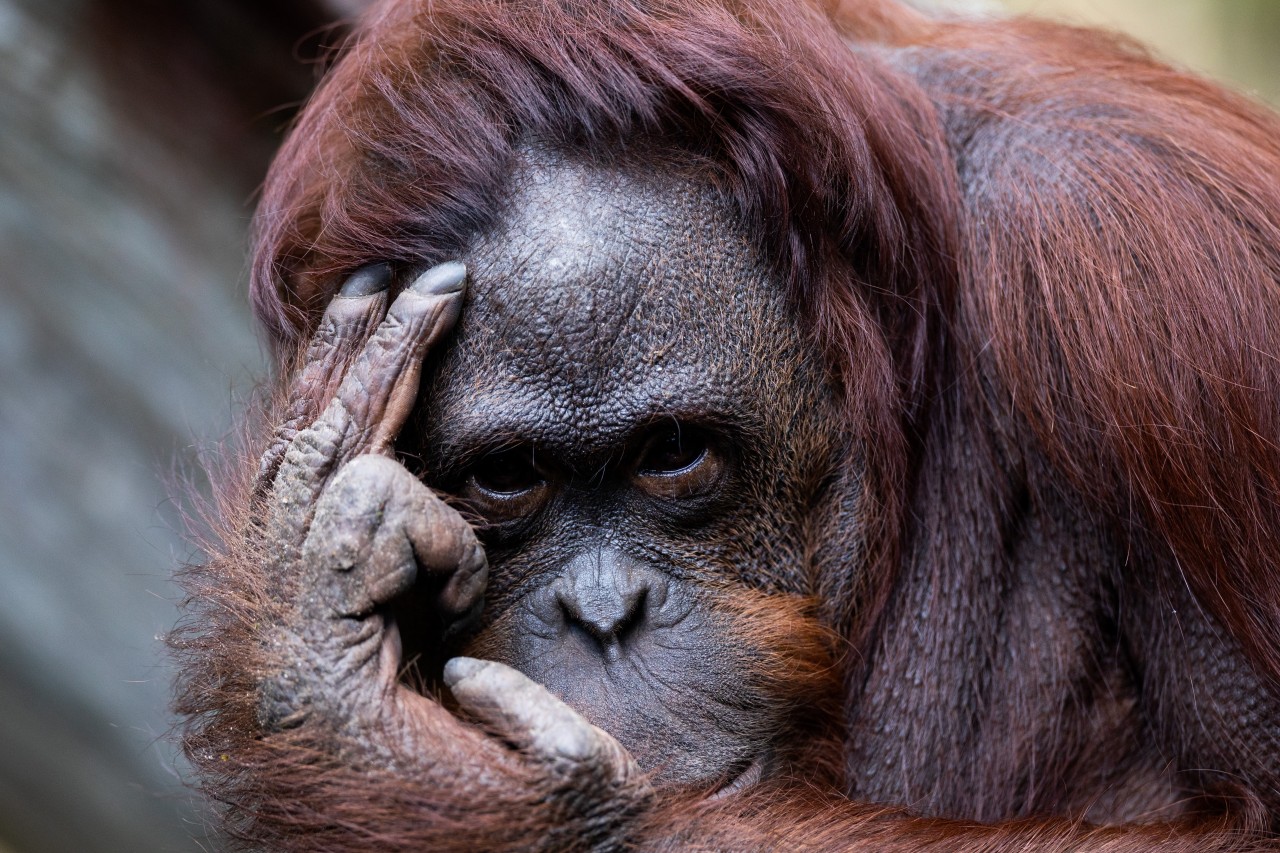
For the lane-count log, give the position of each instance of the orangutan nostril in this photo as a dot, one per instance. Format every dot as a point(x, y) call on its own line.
point(603, 595)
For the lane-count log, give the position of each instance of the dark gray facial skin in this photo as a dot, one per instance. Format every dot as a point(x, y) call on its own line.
point(632, 413)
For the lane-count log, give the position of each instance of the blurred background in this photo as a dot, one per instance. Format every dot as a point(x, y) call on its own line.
point(134, 134)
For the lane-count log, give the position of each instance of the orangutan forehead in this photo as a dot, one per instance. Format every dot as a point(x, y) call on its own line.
point(582, 251)
point(613, 272)
point(618, 294)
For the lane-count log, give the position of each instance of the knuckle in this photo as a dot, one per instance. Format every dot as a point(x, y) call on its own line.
point(392, 329)
point(322, 668)
point(369, 471)
point(280, 705)
point(571, 740)
point(323, 346)
point(359, 545)
point(315, 446)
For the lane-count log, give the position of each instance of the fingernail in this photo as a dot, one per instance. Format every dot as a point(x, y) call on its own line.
point(456, 669)
point(441, 279)
point(368, 280)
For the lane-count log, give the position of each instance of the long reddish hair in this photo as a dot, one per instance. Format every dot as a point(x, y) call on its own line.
point(1031, 216)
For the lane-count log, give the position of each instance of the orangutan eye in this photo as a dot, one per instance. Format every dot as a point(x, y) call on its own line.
point(507, 474)
point(672, 450)
point(678, 461)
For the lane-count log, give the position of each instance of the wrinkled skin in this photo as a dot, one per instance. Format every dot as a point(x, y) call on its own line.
point(615, 332)
point(354, 530)
point(1040, 269)
point(546, 539)
point(640, 483)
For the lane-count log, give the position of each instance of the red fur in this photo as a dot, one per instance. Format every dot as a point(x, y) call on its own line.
point(1030, 253)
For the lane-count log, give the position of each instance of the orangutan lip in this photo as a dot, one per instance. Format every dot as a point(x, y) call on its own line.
point(750, 775)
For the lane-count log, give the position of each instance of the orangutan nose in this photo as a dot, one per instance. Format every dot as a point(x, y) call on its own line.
point(607, 595)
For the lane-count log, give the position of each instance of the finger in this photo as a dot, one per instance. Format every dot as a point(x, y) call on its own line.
point(374, 398)
point(444, 543)
point(375, 527)
point(358, 307)
point(381, 386)
point(526, 714)
point(464, 591)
